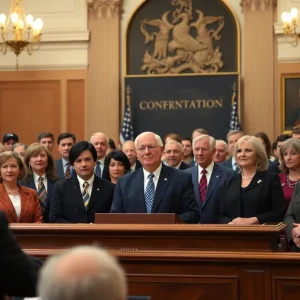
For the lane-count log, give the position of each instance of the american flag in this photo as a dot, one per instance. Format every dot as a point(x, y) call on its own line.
point(127, 129)
point(234, 120)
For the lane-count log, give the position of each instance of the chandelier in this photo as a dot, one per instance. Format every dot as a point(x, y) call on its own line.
point(19, 31)
point(290, 21)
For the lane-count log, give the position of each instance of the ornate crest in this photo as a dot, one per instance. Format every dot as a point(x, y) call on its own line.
point(175, 49)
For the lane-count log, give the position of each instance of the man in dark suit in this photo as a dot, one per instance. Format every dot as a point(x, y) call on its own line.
point(232, 137)
point(76, 200)
point(155, 188)
point(208, 178)
point(100, 142)
point(173, 155)
point(129, 149)
point(19, 272)
point(65, 142)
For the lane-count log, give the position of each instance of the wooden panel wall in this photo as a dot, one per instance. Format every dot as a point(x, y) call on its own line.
point(36, 101)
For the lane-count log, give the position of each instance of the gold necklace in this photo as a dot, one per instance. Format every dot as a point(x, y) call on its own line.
point(11, 191)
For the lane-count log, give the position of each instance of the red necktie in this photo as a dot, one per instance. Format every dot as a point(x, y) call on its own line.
point(203, 185)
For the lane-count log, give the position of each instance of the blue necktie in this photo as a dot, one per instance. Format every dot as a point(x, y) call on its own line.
point(149, 193)
point(98, 169)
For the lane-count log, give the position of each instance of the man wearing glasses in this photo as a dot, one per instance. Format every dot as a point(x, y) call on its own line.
point(155, 188)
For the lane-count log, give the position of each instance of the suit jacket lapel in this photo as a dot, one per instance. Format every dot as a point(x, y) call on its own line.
point(76, 192)
point(196, 185)
point(214, 179)
point(163, 182)
point(96, 192)
point(138, 190)
point(257, 179)
point(4, 198)
point(25, 200)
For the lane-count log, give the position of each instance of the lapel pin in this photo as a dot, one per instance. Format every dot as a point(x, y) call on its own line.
point(98, 189)
point(283, 184)
point(259, 181)
point(165, 179)
point(217, 176)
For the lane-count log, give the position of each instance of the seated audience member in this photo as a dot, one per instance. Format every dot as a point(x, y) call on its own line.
point(8, 140)
point(2, 148)
point(187, 150)
point(129, 149)
point(65, 142)
point(20, 149)
point(292, 220)
point(76, 200)
point(20, 203)
point(41, 175)
point(273, 165)
point(221, 151)
point(100, 142)
point(47, 140)
point(255, 195)
point(82, 273)
point(19, 272)
point(232, 137)
point(173, 155)
point(208, 179)
point(289, 154)
point(155, 188)
point(111, 146)
point(296, 132)
point(117, 164)
point(199, 131)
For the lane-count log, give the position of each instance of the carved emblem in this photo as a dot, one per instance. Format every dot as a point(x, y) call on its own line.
point(175, 49)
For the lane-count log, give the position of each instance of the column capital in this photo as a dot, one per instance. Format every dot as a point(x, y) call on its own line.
point(102, 9)
point(258, 5)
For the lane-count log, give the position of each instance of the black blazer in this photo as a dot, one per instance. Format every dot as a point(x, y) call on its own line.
point(50, 187)
point(59, 168)
point(293, 216)
point(184, 166)
point(263, 198)
point(174, 194)
point(19, 272)
point(67, 203)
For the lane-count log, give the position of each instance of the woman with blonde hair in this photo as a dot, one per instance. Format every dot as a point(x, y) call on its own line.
point(20, 204)
point(41, 175)
point(254, 196)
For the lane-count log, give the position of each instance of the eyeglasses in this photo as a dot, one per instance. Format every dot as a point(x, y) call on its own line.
point(150, 148)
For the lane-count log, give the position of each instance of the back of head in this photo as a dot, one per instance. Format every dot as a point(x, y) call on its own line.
point(84, 272)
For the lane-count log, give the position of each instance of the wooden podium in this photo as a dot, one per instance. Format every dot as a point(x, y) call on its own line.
point(137, 219)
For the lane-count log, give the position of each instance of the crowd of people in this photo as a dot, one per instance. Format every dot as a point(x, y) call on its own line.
point(242, 181)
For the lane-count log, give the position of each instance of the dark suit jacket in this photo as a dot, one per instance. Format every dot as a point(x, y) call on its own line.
point(210, 209)
point(50, 187)
point(67, 204)
point(227, 163)
point(138, 165)
point(174, 194)
point(274, 167)
point(262, 198)
point(184, 166)
point(30, 206)
point(293, 216)
point(19, 272)
point(59, 168)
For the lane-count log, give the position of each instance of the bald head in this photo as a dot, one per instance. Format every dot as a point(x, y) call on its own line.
point(82, 273)
point(100, 142)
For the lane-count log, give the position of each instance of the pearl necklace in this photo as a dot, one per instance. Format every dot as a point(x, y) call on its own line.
point(247, 177)
point(12, 192)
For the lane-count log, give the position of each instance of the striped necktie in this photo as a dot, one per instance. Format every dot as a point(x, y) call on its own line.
point(68, 171)
point(85, 194)
point(149, 193)
point(203, 185)
point(98, 169)
point(42, 195)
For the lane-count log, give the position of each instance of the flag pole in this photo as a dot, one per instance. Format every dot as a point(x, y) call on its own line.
point(128, 95)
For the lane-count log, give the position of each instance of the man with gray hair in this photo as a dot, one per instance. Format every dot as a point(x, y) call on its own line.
point(155, 188)
point(173, 155)
point(221, 151)
point(83, 272)
point(208, 178)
